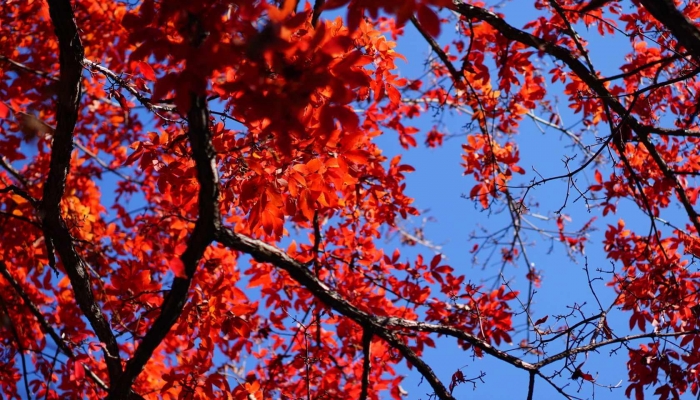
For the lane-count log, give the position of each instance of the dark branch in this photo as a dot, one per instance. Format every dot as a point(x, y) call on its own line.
point(9, 168)
point(263, 252)
point(318, 8)
point(440, 390)
point(456, 76)
point(199, 134)
point(45, 325)
point(21, 67)
point(366, 354)
point(531, 386)
point(55, 229)
point(20, 348)
point(684, 30)
point(122, 83)
point(624, 339)
point(21, 193)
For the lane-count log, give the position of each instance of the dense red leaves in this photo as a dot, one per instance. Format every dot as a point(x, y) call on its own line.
point(296, 108)
point(402, 9)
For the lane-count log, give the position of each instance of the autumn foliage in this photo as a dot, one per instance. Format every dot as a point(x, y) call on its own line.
point(194, 203)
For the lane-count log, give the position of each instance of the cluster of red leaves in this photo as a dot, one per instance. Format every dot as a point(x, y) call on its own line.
point(662, 295)
point(491, 164)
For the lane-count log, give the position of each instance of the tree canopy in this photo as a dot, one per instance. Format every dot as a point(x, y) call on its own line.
point(194, 201)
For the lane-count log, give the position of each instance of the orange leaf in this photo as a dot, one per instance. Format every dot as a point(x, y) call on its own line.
point(357, 156)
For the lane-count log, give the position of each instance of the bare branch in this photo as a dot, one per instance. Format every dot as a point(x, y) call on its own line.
point(531, 386)
point(9, 168)
point(105, 165)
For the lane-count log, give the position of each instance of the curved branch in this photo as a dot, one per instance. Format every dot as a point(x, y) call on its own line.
point(22, 67)
point(422, 367)
point(382, 326)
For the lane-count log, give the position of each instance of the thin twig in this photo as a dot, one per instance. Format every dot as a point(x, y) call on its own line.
point(18, 65)
point(105, 165)
point(9, 168)
point(20, 348)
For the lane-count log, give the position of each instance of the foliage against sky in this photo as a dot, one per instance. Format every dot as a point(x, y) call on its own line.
point(240, 125)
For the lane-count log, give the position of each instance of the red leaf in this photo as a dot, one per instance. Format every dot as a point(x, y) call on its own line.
point(393, 93)
point(4, 110)
point(435, 261)
point(78, 371)
point(509, 296)
point(134, 156)
point(358, 157)
point(147, 71)
point(429, 20)
point(177, 267)
point(587, 377)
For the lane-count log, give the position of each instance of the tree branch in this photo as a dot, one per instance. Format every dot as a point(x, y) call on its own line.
point(366, 356)
point(106, 166)
point(55, 229)
point(684, 30)
point(20, 348)
point(531, 386)
point(422, 367)
point(9, 168)
point(19, 66)
point(45, 325)
point(208, 222)
point(593, 346)
point(121, 82)
point(263, 252)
